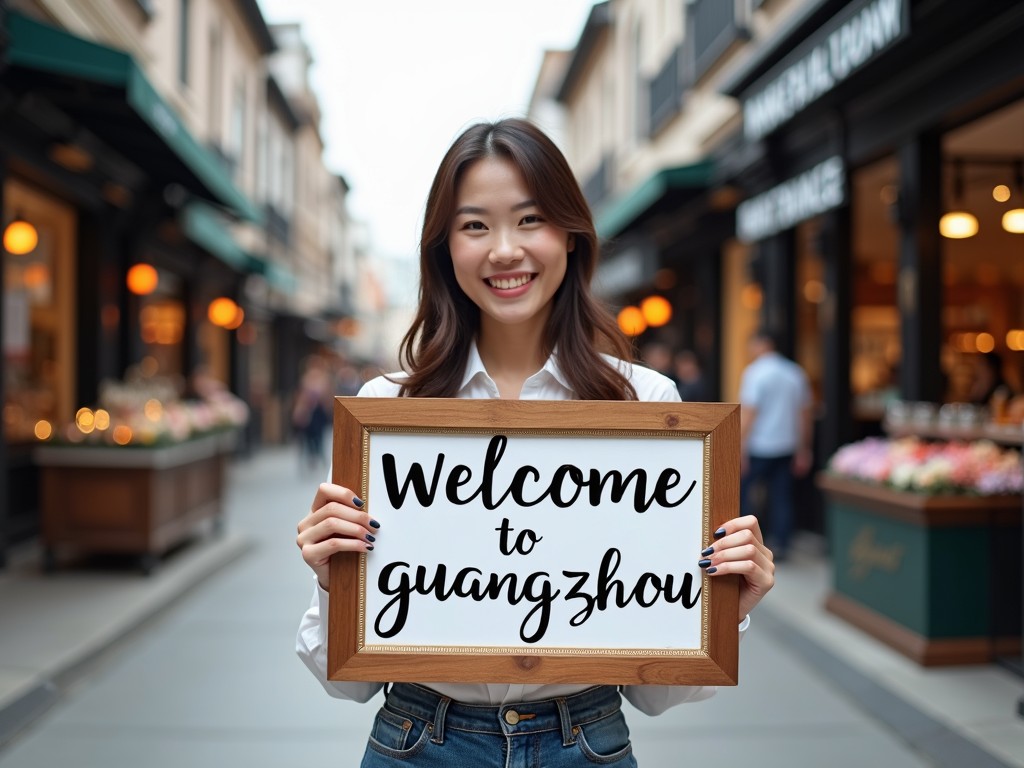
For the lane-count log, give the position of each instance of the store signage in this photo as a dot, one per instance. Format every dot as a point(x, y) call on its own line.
point(813, 192)
point(851, 39)
point(534, 541)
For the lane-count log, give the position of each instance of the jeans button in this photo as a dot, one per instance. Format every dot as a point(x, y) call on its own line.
point(511, 716)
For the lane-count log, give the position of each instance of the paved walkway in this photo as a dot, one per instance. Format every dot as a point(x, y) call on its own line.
point(212, 680)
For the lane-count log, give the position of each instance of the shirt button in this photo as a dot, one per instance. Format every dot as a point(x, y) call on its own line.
point(511, 716)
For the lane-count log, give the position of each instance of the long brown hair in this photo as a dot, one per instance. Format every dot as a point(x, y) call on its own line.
point(437, 344)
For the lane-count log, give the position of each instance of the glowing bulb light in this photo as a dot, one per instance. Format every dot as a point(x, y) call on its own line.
point(958, 225)
point(1013, 221)
point(142, 279)
point(657, 310)
point(20, 237)
point(631, 321)
point(222, 311)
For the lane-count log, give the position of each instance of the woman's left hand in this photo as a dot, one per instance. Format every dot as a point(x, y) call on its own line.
point(739, 549)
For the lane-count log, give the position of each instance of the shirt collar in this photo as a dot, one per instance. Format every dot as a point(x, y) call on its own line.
point(475, 367)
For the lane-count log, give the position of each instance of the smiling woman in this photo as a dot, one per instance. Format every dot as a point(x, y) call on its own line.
point(506, 257)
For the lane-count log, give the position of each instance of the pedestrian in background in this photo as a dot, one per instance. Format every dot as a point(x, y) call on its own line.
point(692, 388)
point(311, 412)
point(775, 435)
point(657, 356)
point(507, 254)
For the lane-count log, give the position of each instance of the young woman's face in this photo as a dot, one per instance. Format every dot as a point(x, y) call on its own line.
point(508, 258)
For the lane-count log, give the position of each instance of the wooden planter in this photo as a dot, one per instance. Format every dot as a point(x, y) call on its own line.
point(130, 500)
point(935, 577)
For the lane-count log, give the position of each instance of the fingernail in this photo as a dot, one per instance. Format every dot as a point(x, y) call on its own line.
point(703, 563)
point(370, 537)
point(712, 569)
point(720, 533)
point(708, 551)
point(374, 524)
point(369, 546)
point(357, 501)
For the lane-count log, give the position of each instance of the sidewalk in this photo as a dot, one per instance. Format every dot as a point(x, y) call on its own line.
point(194, 666)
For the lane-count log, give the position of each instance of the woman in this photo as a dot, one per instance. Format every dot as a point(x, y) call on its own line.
point(505, 310)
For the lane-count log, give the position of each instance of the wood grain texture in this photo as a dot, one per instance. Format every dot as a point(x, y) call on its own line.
point(718, 422)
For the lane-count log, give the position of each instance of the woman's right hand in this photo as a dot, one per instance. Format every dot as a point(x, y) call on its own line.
point(335, 524)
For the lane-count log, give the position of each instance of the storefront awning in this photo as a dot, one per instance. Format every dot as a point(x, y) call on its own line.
point(207, 228)
point(616, 217)
point(105, 90)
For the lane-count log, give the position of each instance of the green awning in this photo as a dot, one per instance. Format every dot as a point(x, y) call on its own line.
point(206, 227)
point(106, 91)
point(615, 217)
point(280, 277)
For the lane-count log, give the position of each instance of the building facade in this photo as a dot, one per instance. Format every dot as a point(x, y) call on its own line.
point(848, 174)
point(154, 135)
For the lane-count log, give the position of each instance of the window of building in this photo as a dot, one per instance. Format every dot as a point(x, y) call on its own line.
point(39, 312)
point(236, 138)
point(216, 90)
point(875, 346)
point(183, 38)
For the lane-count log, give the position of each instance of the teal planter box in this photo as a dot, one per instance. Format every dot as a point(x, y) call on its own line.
point(936, 577)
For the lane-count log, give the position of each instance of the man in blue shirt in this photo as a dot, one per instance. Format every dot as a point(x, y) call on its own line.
point(775, 434)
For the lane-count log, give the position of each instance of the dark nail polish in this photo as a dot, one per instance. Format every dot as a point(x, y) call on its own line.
point(357, 501)
point(703, 563)
point(708, 551)
point(720, 533)
point(369, 546)
point(370, 537)
point(374, 524)
point(712, 569)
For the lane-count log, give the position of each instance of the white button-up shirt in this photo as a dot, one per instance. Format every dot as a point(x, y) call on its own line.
point(547, 384)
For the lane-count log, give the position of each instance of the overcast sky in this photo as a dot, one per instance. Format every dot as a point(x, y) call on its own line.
point(399, 79)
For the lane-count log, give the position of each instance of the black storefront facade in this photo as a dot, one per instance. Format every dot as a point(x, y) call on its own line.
point(864, 123)
point(908, 75)
point(107, 173)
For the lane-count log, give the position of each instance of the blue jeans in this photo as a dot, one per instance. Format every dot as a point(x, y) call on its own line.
point(417, 726)
point(776, 473)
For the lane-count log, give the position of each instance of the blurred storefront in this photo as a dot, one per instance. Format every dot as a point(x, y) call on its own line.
point(98, 175)
point(866, 124)
point(862, 126)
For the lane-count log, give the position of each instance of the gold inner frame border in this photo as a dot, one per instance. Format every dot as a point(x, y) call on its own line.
point(363, 647)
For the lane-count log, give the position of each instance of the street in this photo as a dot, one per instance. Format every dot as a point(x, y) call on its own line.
point(214, 681)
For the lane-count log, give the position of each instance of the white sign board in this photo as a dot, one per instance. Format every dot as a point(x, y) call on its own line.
point(509, 569)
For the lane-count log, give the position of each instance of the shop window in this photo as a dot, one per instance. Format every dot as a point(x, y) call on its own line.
point(162, 323)
point(810, 301)
point(875, 346)
point(742, 298)
point(983, 274)
point(39, 309)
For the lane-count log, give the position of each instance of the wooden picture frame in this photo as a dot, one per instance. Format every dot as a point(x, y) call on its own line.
point(709, 431)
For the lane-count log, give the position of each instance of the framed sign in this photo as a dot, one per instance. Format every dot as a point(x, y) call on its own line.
point(535, 542)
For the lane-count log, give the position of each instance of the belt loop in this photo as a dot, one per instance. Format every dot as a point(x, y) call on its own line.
point(568, 737)
point(439, 715)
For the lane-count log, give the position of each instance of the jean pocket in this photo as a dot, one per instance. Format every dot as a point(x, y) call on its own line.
point(397, 735)
point(606, 741)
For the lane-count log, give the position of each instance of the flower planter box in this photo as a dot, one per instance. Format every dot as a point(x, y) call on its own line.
point(935, 577)
point(130, 500)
